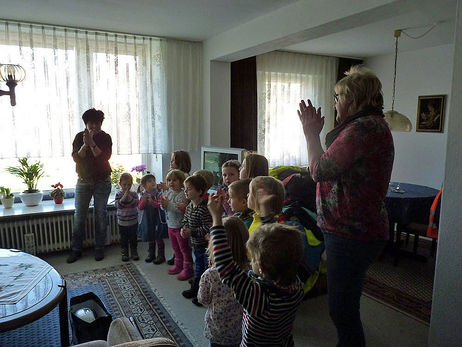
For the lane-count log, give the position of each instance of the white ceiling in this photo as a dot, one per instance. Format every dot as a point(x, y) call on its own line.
point(195, 20)
point(377, 38)
point(199, 20)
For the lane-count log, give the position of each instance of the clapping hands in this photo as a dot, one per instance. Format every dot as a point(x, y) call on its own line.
point(215, 206)
point(311, 119)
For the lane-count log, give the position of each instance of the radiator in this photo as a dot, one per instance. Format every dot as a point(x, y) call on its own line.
point(51, 232)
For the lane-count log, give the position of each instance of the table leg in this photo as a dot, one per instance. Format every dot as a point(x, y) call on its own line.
point(63, 318)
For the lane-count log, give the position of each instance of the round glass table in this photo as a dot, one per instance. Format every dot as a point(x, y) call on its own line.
point(41, 297)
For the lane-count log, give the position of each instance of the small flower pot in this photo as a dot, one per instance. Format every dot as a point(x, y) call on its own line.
point(58, 200)
point(31, 199)
point(8, 202)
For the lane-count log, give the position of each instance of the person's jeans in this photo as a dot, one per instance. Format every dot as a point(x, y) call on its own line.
point(128, 236)
point(84, 191)
point(201, 263)
point(347, 264)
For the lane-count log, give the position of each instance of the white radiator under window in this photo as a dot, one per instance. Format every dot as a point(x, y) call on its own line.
point(50, 233)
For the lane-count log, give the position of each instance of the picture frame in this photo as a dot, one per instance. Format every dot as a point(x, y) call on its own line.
point(430, 113)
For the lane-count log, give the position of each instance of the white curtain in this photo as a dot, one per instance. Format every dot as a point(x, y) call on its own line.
point(283, 79)
point(134, 80)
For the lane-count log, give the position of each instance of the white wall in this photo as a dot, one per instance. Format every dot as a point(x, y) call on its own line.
point(419, 157)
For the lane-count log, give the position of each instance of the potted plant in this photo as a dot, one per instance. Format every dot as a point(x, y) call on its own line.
point(57, 193)
point(7, 197)
point(30, 173)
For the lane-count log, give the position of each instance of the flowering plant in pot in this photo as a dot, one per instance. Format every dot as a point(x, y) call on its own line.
point(57, 193)
point(140, 170)
point(7, 197)
point(30, 173)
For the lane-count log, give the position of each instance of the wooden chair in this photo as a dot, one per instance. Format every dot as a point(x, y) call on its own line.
point(418, 230)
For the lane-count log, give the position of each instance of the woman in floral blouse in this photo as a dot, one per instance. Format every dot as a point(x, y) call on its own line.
point(352, 178)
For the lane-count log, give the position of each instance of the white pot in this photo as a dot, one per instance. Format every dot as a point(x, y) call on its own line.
point(31, 199)
point(8, 202)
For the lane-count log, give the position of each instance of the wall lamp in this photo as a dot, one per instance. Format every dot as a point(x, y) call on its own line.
point(11, 74)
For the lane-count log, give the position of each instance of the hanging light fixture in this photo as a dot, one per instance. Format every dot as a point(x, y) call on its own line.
point(396, 121)
point(11, 74)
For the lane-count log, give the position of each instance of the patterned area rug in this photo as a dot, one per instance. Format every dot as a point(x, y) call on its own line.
point(123, 291)
point(407, 287)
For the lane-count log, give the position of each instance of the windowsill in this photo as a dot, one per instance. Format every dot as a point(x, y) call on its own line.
point(45, 207)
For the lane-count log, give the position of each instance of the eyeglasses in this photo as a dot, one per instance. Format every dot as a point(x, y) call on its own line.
point(336, 97)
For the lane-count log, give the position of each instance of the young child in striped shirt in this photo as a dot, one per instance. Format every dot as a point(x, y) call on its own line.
point(196, 226)
point(126, 202)
point(269, 294)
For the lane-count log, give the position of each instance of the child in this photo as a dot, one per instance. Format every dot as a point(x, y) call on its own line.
point(223, 319)
point(171, 199)
point(209, 178)
point(230, 174)
point(180, 160)
point(272, 190)
point(238, 192)
point(126, 202)
point(253, 165)
point(150, 227)
point(271, 292)
point(196, 224)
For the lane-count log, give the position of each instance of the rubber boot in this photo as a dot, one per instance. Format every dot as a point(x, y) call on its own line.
point(192, 292)
point(187, 271)
point(151, 253)
point(160, 254)
point(177, 268)
point(124, 252)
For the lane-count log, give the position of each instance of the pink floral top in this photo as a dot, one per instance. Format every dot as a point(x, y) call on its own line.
point(353, 176)
point(223, 319)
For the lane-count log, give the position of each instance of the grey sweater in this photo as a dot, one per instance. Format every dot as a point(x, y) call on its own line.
point(174, 215)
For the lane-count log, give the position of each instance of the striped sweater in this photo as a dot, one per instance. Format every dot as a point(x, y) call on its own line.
point(198, 219)
point(269, 309)
point(127, 213)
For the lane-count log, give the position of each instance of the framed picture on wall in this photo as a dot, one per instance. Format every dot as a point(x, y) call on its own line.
point(430, 113)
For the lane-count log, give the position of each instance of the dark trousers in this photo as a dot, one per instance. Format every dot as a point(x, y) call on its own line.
point(128, 235)
point(347, 264)
point(201, 263)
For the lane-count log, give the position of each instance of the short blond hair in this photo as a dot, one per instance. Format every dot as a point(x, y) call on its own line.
point(176, 174)
point(278, 248)
point(362, 87)
point(125, 176)
point(240, 188)
point(272, 186)
point(208, 176)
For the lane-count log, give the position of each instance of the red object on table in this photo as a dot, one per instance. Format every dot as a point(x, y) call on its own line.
point(58, 199)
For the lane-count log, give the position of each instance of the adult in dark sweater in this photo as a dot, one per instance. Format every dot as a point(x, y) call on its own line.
point(91, 151)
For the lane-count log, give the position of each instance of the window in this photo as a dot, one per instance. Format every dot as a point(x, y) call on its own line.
point(283, 79)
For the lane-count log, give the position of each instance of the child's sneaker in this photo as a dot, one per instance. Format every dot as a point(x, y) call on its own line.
point(134, 252)
point(124, 252)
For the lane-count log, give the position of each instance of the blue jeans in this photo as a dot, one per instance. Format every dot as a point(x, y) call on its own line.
point(201, 263)
point(347, 264)
point(84, 191)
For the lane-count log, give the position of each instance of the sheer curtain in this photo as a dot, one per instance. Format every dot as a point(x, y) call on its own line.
point(134, 80)
point(283, 79)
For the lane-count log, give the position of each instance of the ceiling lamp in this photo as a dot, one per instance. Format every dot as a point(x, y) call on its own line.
point(396, 121)
point(11, 75)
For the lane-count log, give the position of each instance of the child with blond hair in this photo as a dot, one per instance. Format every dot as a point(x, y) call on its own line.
point(150, 228)
point(271, 292)
point(126, 202)
point(237, 200)
point(230, 174)
point(172, 202)
point(223, 319)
